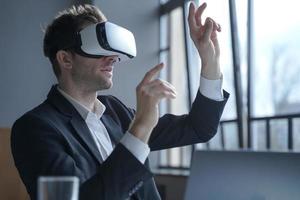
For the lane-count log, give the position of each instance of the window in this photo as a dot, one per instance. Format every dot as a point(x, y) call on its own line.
point(276, 72)
point(259, 46)
point(173, 54)
point(186, 79)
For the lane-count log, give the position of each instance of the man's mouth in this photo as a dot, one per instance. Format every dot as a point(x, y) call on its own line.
point(108, 71)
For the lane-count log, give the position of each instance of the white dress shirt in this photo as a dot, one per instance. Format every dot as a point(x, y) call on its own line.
point(100, 135)
point(212, 89)
point(209, 88)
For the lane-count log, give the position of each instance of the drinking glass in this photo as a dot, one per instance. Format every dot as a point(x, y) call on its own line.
point(58, 188)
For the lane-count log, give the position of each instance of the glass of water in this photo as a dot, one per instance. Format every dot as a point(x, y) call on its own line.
point(58, 188)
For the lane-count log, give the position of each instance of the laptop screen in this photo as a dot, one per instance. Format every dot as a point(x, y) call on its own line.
point(220, 175)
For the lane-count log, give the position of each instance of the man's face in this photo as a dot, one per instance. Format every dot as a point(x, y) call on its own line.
point(93, 73)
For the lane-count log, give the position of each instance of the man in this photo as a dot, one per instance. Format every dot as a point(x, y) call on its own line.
point(99, 139)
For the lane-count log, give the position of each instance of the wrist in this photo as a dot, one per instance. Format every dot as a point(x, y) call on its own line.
point(140, 131)
point(211, 72)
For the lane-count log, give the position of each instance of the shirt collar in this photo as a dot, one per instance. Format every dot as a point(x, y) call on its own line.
point(99, 107)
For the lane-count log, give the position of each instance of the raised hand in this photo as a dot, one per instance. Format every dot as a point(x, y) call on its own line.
point(205, 39)
point(149, 93)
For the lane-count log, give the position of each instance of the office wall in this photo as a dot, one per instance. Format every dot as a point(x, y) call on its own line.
point(26, 75)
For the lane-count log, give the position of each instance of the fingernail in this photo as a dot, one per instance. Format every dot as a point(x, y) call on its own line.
point(210, 22)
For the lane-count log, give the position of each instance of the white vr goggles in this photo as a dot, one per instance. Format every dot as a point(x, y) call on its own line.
point(105, 39)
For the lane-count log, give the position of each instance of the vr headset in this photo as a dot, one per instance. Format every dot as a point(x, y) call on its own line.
point(105, 39)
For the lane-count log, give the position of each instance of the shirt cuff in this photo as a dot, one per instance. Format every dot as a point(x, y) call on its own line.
point(138, 148)
point(212, 89)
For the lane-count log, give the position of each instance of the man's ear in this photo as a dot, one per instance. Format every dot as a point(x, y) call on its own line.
point(64, 59)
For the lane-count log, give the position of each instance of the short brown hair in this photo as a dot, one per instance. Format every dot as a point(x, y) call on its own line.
point(61, 33)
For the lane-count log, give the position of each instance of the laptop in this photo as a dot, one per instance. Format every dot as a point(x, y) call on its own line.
point(244, 175)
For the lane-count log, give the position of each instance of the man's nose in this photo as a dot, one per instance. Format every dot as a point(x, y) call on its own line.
point(112, 59)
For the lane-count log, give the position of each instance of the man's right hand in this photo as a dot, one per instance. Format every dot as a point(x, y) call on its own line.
point(149, 93)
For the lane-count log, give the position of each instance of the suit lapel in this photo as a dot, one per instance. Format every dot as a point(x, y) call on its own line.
point(81, 129)
point(114, 130)
point(84, 133)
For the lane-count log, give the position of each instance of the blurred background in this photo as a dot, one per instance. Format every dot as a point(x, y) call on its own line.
point(260, 61)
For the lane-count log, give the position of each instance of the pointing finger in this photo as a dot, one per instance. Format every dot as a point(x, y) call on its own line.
point(151, 73)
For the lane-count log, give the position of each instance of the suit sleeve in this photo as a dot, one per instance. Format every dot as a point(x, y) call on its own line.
point(40, 150)
point(200, 125)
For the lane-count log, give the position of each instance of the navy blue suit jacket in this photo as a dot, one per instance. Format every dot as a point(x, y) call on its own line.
point(53, 139)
